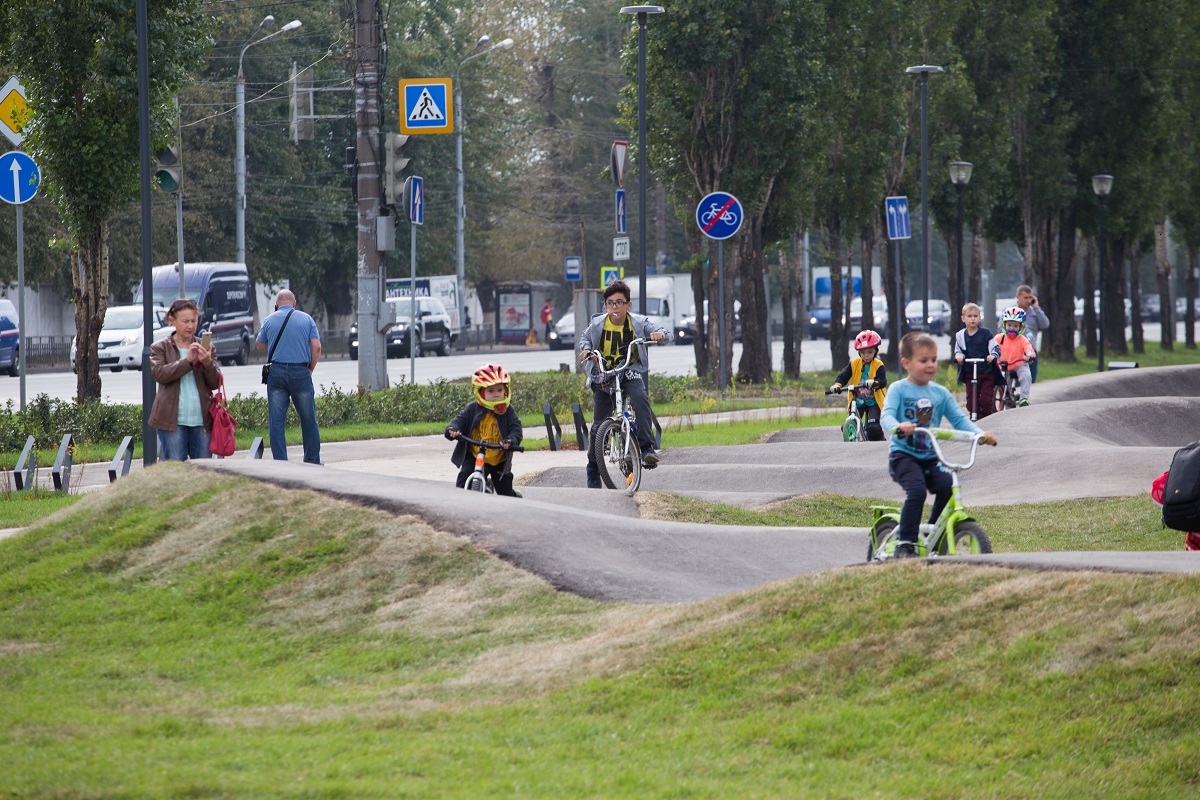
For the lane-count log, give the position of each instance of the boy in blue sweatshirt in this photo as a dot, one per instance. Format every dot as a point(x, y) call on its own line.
point(915, 402)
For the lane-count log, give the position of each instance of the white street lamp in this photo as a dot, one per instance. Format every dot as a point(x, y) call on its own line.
point(460, 211)
point(239, 158)
point(960, 176)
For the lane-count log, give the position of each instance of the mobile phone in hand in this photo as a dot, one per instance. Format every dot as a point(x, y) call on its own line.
point(206, 340)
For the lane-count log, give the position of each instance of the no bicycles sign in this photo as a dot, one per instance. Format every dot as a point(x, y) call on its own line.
point(719, 215)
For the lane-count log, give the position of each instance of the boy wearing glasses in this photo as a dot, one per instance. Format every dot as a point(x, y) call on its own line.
point(610, 334)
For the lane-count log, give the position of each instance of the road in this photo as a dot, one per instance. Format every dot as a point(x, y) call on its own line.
point(126, 387)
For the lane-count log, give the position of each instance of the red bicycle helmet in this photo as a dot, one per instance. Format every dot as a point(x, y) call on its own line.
point(867, 338)
point(491, 375)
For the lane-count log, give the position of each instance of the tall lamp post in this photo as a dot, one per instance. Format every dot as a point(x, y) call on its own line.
point(460, 211)
point(642, 13)
point(960, 176)
point(925, 70)
point(1101, 185)
point(239, 116)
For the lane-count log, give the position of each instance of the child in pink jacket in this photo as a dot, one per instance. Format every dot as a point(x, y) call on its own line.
point(1013, 349)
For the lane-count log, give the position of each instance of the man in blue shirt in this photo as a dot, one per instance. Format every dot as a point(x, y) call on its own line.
point(292, 364)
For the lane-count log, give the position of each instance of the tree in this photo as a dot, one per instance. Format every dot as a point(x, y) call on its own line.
point(730, 88)
point(78, 62)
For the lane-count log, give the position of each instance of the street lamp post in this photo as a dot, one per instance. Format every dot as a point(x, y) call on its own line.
point(642, 13)
point(460, 211)
point(239, 116)
point(924, 71)
point(1101, 185)
point(960, 176)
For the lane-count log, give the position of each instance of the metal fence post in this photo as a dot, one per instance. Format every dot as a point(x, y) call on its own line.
point(553, 429)
point(581, 426)
point(61, 473)
point(26, 470)
point(122, 460)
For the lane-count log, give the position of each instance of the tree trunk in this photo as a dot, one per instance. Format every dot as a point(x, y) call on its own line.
point(89, 278)
point(702, 277)
point(1162, 274)
point(1112, 298)
point(1060, 304)
point(787, 285)
point(1189, 311)
point(837, 329)
point(1135, 300)
point(755, 365)
point(868, 291)
point(1087, 332)
point(1045, 265)
point(976, 280)
point(951, 241)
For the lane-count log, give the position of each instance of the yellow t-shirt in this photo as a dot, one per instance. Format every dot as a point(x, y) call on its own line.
point(610, 344)
point(488, 430)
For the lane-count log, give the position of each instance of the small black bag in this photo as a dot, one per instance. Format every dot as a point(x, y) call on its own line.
point(267, 366)
point(1181, 495)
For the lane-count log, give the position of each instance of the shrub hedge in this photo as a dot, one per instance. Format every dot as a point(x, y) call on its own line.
point(48, 419)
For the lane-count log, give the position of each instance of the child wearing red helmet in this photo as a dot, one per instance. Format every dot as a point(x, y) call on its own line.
point(490, 417)
point(868, 364)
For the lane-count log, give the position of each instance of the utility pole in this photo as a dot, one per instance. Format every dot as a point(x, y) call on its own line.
point(372, 355)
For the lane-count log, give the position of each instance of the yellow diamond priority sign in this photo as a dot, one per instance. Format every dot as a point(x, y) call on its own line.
point(13, 111)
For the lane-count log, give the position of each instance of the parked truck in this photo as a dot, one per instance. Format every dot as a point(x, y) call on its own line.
point(668, 297)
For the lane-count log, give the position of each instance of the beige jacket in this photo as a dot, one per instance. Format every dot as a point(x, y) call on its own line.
point(168, 368)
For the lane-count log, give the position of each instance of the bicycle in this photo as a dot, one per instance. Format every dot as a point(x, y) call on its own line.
point(729, 217)
point(973, 387)
point(614, 440)
point(479, 480)
point(953, 532)
point(1008, 395)
point(854, 427)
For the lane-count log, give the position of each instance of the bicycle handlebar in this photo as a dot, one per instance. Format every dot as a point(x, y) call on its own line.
point(604, 373)
point(512, 448)
point(843, 389)
point(934, 434)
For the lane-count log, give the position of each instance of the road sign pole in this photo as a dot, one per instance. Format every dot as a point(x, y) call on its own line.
point(412, 304)
point(21, 350)
point(721, 327)
point(899, 307)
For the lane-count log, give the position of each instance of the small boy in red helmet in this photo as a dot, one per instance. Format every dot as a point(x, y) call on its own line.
point(490, 417)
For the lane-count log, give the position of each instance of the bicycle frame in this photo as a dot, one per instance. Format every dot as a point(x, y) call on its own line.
point(629, 457)
point(854, 427)
point(938, 538)
point(479, 480)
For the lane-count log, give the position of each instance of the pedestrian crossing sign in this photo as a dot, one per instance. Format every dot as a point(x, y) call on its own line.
point(425, 105)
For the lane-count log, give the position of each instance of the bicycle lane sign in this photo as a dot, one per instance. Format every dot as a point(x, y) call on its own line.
point(719, 215)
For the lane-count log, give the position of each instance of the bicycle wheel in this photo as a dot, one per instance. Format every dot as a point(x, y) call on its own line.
point(620, 467)
point(850, 429)
point(474, 483)
point(969, 539)
point(881, 542)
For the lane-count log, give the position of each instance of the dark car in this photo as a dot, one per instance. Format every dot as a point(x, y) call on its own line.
point(433, 328)
point(939, 316)
point(685, 330)
point(1151, 308)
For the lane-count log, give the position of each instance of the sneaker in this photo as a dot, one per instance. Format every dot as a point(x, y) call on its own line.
point(649, 458)
point(1022, 403)
point(905, 550)
point(591, 484)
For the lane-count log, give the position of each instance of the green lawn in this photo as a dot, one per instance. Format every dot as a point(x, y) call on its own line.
point(185, 634)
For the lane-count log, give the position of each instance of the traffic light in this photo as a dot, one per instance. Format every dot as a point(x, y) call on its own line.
point(393, 168)
point(168, 164)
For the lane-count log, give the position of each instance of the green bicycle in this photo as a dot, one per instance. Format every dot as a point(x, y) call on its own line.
point(955, 530)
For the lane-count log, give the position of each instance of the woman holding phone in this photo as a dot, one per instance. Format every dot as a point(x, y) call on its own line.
point(186, 372)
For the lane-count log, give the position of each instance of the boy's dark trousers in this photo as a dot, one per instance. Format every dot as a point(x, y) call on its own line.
point(917, 476)
point(983, 399)
point(874, 429)
point(502, 479)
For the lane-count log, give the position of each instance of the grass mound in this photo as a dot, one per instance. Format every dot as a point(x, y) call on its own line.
point(187, 634)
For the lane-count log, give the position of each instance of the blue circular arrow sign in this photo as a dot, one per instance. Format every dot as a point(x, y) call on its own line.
point(19, 178)
point(719, 215)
